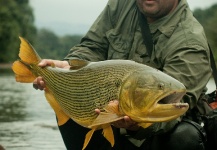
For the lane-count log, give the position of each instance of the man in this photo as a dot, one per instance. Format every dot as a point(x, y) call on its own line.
point(180, 50)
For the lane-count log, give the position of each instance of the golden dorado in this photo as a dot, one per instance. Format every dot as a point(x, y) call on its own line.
point(145, 94)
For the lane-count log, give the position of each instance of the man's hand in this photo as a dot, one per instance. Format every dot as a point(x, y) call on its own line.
point(126, 122)
point(39, 83)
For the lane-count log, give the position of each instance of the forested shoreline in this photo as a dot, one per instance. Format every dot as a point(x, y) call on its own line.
point(17, 19)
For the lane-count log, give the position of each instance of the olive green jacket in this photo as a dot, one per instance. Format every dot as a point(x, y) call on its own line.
point(180, 45)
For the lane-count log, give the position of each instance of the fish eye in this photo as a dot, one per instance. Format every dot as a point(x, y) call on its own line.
point(161, 86)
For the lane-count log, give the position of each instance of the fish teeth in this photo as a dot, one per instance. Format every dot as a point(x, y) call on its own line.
point(180, 105)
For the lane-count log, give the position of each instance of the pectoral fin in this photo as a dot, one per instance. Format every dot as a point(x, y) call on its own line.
point(105, 118)
point(88, 137)
point(111, 114)
point(108, 134)
point(61, 116)
point(113, 107)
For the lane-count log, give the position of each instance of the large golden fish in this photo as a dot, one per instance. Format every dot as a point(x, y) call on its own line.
point(145, 94)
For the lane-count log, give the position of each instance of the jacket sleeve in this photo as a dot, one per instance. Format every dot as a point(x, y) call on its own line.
point(94, 45)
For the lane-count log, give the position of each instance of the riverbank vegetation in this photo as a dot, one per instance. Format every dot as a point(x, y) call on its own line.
point(17, 19)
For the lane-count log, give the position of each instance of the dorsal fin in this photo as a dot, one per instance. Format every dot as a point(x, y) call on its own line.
point(77, 64)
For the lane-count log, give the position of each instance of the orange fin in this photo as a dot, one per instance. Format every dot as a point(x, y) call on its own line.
point(112, 107)
point(77, 64)
point(27, 53)
point(111, 114)
point(22, 68)
point(105, 118)
point(61, 116)
point(22, 73)
point(108, 134)
point(88, 137)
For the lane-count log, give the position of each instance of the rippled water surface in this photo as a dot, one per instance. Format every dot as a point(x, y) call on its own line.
point(27, 122)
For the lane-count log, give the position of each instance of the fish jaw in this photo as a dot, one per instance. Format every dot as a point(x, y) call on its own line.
point(160, 110)
point(152, 97)
point(164, 110)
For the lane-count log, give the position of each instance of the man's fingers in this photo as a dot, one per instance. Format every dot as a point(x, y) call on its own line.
point(45, 62)
point(35, 86)
point(39, 79)
point(127, 119)
point(38, 83)
point(42, 85)
point(97, 111)
point(126, 122)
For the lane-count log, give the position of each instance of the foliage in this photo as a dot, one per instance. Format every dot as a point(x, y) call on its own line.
point(49, 45)
point(16, 20)
point(208, 18)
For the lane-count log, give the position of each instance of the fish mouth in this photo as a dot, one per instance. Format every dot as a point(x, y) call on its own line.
point(174, 99)
point(168, 108)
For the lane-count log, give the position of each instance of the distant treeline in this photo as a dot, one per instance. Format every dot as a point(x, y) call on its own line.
point(17, 19)
point(208, 18)
point(51, 46)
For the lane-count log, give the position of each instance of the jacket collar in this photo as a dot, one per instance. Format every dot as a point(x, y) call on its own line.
point(167, 24)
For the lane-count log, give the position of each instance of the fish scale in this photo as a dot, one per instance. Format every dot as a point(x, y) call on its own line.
point(87, 87)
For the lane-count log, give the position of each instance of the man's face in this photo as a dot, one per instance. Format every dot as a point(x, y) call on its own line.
point(156, 8)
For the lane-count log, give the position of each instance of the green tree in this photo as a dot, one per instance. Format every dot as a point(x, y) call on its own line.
point(67, 42)
point(16, 19)
point(49, 45)
point(208, 18)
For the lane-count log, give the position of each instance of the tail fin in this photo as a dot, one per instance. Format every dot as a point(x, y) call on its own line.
point(22, 73)
point(27, 53)
point(21, 67)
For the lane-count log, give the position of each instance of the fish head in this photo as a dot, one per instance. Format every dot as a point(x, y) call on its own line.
point(152, 96)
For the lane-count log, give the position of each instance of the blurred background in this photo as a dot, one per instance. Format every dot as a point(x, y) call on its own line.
point(53, 27)
point(26, 120)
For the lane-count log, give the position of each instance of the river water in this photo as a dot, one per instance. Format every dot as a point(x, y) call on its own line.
point(27, 122)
